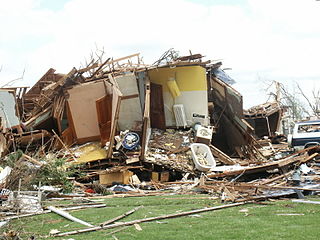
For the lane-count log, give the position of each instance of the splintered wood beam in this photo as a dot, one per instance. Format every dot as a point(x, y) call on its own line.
point(82, 70)
point(148, 219)
point(309, 158)
point(100, 67)
point(222, 156)
point(120, 59)
point(276, 178)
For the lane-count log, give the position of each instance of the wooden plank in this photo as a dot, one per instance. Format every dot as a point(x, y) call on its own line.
point(277, 178)
point(224, 158)
point(119, 217)
point(68, 216)
point(83, 70)
point(132, 160)
point(309, 158)
point(146, 120)
point(130, 96)
point(100, 67)
point(122, 58)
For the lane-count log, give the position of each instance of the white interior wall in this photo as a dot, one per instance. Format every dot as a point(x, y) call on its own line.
point(193, 102)
point(130, 109)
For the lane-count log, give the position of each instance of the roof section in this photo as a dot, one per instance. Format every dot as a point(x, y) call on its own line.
point(262, 110)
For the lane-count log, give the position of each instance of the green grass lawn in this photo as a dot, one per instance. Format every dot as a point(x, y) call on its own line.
point(250, 221)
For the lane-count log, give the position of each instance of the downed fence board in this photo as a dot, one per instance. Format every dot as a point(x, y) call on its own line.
point(148, 219)
point(119, 217)
point(68, 216)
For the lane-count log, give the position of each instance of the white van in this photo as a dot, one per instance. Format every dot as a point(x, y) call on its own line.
point(305, 134)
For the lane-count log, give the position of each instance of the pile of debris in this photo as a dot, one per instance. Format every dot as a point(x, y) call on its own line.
point(175, 125)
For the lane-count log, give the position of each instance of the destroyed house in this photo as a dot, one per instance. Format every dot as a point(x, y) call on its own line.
point(122, 128)
point(121, 112)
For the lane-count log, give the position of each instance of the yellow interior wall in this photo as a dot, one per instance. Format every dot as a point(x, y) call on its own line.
point(192, 85)
point(190, 78)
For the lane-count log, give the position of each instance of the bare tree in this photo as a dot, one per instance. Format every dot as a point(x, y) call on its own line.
point(288, 98)
point(11, 82)
point(292, 100)
point(313, 101)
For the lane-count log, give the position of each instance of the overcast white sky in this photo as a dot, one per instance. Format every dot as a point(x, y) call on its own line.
point(259, 39)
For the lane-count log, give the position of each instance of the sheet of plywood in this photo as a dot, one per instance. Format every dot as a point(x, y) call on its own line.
point(82, 103)
point(130, 108)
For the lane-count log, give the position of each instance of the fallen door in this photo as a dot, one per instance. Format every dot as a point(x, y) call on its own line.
point(104, 112)
point(157, 116)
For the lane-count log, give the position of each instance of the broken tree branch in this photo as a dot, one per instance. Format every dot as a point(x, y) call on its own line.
point(308, 101)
